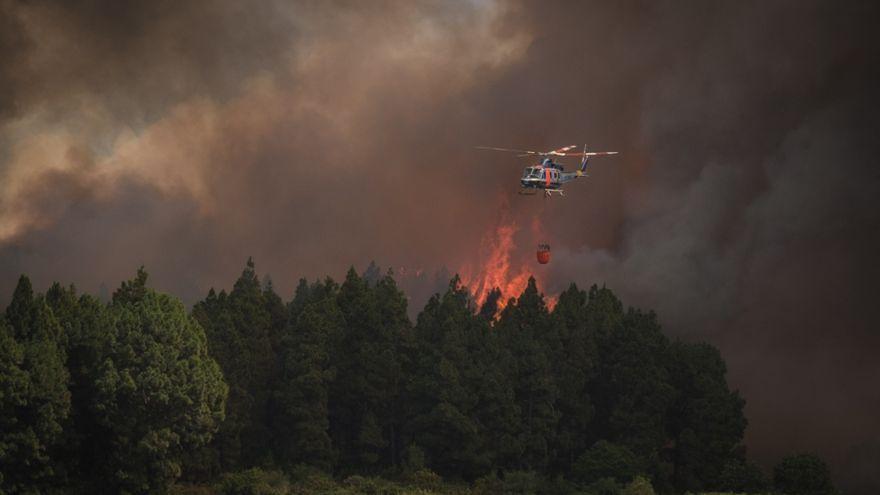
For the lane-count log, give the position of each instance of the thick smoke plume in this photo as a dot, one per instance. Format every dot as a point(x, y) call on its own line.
point(315, 135)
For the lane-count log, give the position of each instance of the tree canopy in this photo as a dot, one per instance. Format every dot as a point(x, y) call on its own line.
point(133, 394)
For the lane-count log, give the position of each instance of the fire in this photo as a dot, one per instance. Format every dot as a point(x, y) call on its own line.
point(499, 267)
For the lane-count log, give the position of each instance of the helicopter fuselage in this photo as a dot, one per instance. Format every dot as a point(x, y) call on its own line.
point(547, 177)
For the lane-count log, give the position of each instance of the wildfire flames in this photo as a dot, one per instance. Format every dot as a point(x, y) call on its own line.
point(501, 266)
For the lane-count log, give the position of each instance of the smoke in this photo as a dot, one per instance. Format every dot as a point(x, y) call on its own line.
point(284, 160)
point(314, 136)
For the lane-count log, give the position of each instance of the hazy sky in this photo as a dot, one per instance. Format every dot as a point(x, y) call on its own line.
point(316, 135)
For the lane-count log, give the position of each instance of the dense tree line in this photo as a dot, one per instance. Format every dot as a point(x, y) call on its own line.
point(130, 395)
point(102, 398)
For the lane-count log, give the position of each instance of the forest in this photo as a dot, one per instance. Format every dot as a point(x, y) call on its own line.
point(338, 391)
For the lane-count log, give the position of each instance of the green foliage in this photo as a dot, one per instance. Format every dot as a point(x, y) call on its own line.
point(89, 330)
point(803, 474)
point(127, 397)
point(309, 479)
point(13, 394)
point(558, 485)
point(132, 291)
point(707, 419)
point(520, 483)
point(158, 393)
point(451, 391)
point(426, 479)
point(300, 417)
point(606, 460)
point(413, 458)
point(253, 481)
point(638, 486)
point(530, 341)
point(742, 477)
point(190, 489)
point(34, 400)
point(488, 484)
point(633, 393)
point(365, 401)
point(574, 369)
point(241, 328)
point(369, 486)
point(604, 486)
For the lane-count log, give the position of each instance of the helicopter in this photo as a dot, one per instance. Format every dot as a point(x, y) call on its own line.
point(549, 175)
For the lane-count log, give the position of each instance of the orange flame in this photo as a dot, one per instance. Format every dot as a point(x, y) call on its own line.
point(498, 269)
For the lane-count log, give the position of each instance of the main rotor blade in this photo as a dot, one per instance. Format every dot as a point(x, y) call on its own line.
point(556, 152)
point(490, 148)
point(561, 151)
point(590, 153)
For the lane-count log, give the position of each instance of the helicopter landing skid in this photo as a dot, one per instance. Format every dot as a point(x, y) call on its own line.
point(549, 192)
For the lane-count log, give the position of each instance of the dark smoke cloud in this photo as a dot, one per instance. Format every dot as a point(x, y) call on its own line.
point(317, 135)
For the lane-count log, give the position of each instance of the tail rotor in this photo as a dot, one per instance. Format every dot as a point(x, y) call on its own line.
point(585, 158)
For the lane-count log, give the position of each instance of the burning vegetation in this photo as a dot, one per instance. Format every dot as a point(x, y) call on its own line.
point(502, 267)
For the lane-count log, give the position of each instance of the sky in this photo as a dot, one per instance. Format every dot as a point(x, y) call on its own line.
point(313, 136)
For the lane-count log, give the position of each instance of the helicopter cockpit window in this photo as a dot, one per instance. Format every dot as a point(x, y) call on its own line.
point(531, 172)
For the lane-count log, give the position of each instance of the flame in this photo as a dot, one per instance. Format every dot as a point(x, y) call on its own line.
point(501, 267)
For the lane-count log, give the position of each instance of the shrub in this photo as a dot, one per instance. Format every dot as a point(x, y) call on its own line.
point(804, 474)
point(360, 484)
point(558, 486)
point(739, 476)
point(253, 482)
point(370, 486)
point(427, 479)
point(638, 486)
point(520, 482)
point(189, 489)
point(310, 479)
point(604, 486)
point(413, 458)
point(489, 484)
point(605, 460)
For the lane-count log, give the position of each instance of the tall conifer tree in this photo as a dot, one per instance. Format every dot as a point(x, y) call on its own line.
point(34, 400)
point(158, 392)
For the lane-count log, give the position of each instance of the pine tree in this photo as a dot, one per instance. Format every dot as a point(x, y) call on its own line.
point(389, 361)
point(89, 331)
point(741, 476)
point(606, 460)
point(348, 402)
point(34, 400)
point(707, 420)
point(158, 394)
point(278, 314)
point(241, 327)
point(575, 368)
point(631, 388)
point(531, 342)
point(442, 391)
point(301, 418)
point(803, 474)
point(365, 394)
point(13, 396)
point(489, 309)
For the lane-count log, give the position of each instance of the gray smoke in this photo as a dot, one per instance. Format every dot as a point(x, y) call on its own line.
point(314, 136)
